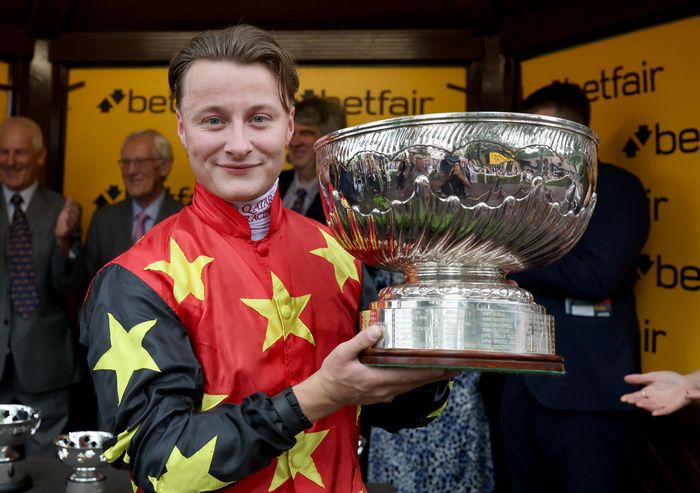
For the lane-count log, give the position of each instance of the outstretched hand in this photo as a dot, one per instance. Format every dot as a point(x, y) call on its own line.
point(343, 380)
point(664, 393)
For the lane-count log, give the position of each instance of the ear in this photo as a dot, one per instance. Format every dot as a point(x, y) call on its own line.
point(181, 130)
point(290, 126)
point(165, 168)
point(41, 157)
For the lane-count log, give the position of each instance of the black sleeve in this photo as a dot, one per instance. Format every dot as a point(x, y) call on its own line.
point(149, 387)
point(410, 410)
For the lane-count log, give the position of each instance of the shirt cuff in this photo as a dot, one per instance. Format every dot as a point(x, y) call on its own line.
point(289, 410)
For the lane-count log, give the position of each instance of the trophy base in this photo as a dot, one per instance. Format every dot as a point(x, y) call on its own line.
point(454, 359)
point(97, 486)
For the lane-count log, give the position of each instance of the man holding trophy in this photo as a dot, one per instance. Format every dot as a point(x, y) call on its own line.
point(223, 345)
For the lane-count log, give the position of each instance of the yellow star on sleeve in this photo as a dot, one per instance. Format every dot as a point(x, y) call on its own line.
point(187, 276)
point(343, 263)
point(121, 446)
point(297, 460)
point(282, 312)
point(189, 474)
point(212, 400)
point(127, 354)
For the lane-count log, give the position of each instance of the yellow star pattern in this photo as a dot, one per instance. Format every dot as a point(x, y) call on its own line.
point(120, 447)
point(343, 263)
point(297, 460)
point(189, 474)
point(212, 400)
point(439, 410)
point(187, 276)
point(282, 312)
point(127, 353)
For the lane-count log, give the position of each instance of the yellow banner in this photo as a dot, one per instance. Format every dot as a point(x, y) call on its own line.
point(643, 92)
point(4, 95)
point(113, 102)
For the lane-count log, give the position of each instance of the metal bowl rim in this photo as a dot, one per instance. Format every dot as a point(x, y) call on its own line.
point(458, 117)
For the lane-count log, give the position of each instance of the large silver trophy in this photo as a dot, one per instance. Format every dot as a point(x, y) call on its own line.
point(456, 201)
point(83, 451)
point(17, 424)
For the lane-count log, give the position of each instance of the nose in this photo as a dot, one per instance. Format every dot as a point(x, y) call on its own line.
point(238, 142)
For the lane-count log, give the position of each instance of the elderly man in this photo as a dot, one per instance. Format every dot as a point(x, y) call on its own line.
point(41, 262)
point(146, 160)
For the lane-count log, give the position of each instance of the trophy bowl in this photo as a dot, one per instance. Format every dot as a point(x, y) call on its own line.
point(82, 450)
point(456, 201)
point(17, 424)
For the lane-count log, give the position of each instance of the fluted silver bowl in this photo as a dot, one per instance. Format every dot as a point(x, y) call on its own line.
point(83, 451)
point(455, 201)
point(17, 423)
point(506, 190)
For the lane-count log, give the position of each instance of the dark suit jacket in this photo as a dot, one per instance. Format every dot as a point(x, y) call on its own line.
point(110, 231)
point(42, 346)
point(598, 351)
point(315, 211)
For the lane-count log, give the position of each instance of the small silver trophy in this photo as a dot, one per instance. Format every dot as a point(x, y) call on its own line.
point(17, 423)
point(82, 450)
point(456, 201)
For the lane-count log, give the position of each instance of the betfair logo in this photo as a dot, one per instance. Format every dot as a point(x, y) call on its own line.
point(666, 141)
point(137, 103)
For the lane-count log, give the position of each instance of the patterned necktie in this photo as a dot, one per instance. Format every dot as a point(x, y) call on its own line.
point(298, 205)
point(140, 228)
point(24, 292)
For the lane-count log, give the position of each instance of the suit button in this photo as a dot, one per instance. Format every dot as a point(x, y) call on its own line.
point(6, 322)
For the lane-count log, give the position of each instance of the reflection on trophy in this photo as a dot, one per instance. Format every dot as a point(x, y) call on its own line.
point(18, 423)
point(456, 201)
point(82, 450)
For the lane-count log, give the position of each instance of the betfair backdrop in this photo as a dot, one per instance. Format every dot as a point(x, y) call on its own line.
point(111, 103)
point(643, 89)
point(4, 95)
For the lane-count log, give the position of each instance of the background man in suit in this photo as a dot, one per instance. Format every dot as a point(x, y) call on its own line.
point(40, 252)
point(314, 118)
point(570, 433)
point(146, 160)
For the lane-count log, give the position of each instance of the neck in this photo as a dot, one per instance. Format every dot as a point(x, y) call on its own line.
point(306, 175)
point(146, 201)
point(257, 212)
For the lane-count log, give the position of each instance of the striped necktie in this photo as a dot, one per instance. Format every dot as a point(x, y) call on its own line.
point(24, 292)
point(140, 228)
point(298, 205)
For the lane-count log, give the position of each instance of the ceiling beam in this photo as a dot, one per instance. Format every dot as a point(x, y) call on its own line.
point(366, 46)
point(564, 24)
point(15, 44)
point(48, 18)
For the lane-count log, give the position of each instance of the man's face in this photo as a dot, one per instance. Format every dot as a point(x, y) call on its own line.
point(234, 127)
point(143, 171)
point(301, 147)
point(19, 161)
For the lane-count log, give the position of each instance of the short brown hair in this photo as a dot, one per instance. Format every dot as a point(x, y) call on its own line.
point(327, 114)
point(242, 44)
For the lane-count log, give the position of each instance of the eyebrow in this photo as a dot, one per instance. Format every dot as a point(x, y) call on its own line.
point(215, 108)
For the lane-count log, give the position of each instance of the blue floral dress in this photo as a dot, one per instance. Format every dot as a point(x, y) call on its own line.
point(450, 455)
